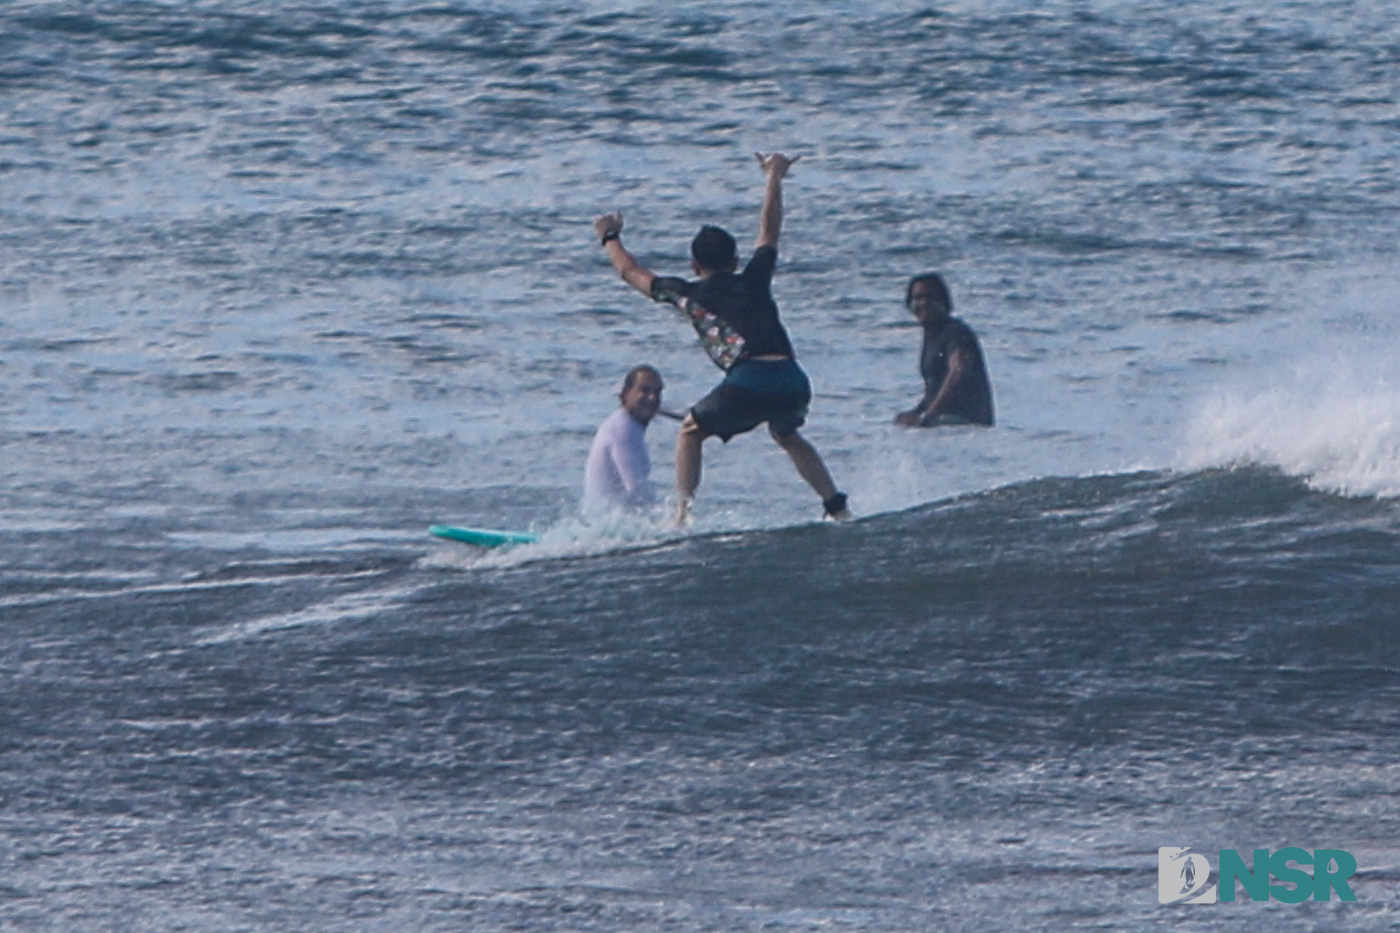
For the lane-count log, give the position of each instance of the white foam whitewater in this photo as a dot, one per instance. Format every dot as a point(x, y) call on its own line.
point(1328, 412)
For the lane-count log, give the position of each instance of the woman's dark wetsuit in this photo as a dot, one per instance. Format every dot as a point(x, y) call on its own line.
point(971, 401)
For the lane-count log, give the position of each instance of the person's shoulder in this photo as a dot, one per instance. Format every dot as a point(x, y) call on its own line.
point(670, 288)
point(621, 424)
point(759, 269)
point(961, 328)
point(613, 423)
point(767, 254)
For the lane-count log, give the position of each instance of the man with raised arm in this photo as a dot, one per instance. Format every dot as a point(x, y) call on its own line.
point(737, 320)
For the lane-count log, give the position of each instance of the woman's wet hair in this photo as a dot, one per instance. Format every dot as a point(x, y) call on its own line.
point(940, 289)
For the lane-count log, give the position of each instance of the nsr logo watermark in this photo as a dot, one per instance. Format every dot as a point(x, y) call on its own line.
point(1183, 876)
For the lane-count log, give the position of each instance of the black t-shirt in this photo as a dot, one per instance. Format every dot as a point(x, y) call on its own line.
point(972, 399)
point(735, 315)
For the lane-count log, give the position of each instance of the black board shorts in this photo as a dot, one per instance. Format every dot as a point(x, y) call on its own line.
point(755, 391)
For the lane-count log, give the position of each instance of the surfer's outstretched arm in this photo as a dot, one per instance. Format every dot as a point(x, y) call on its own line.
point(609, 230)
point(770, 218)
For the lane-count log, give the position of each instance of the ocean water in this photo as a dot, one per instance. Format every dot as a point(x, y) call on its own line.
point(284, 282)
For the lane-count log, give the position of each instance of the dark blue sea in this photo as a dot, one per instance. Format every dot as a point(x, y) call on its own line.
point(284, 282)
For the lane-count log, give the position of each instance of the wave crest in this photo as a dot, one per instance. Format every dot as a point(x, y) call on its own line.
point(1341, 437)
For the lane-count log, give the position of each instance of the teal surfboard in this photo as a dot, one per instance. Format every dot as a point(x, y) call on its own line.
point(483, 537)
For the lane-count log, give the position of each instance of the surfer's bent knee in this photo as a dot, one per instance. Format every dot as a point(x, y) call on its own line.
point(783, 440)
point(692, 427)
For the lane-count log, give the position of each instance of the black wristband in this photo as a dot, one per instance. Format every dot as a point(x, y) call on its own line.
point(610, 236)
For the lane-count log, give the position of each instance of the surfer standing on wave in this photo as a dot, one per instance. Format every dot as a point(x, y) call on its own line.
point(737, 320)
point(618, 471)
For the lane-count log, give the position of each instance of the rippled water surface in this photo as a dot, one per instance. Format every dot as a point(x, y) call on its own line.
point(283, 283)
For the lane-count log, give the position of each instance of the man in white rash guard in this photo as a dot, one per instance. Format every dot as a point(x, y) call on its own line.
point(618, 471)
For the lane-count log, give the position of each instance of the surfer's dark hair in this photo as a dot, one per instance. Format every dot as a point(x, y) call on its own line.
point(634, 374)
point(940, 287)
point(714, 249)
